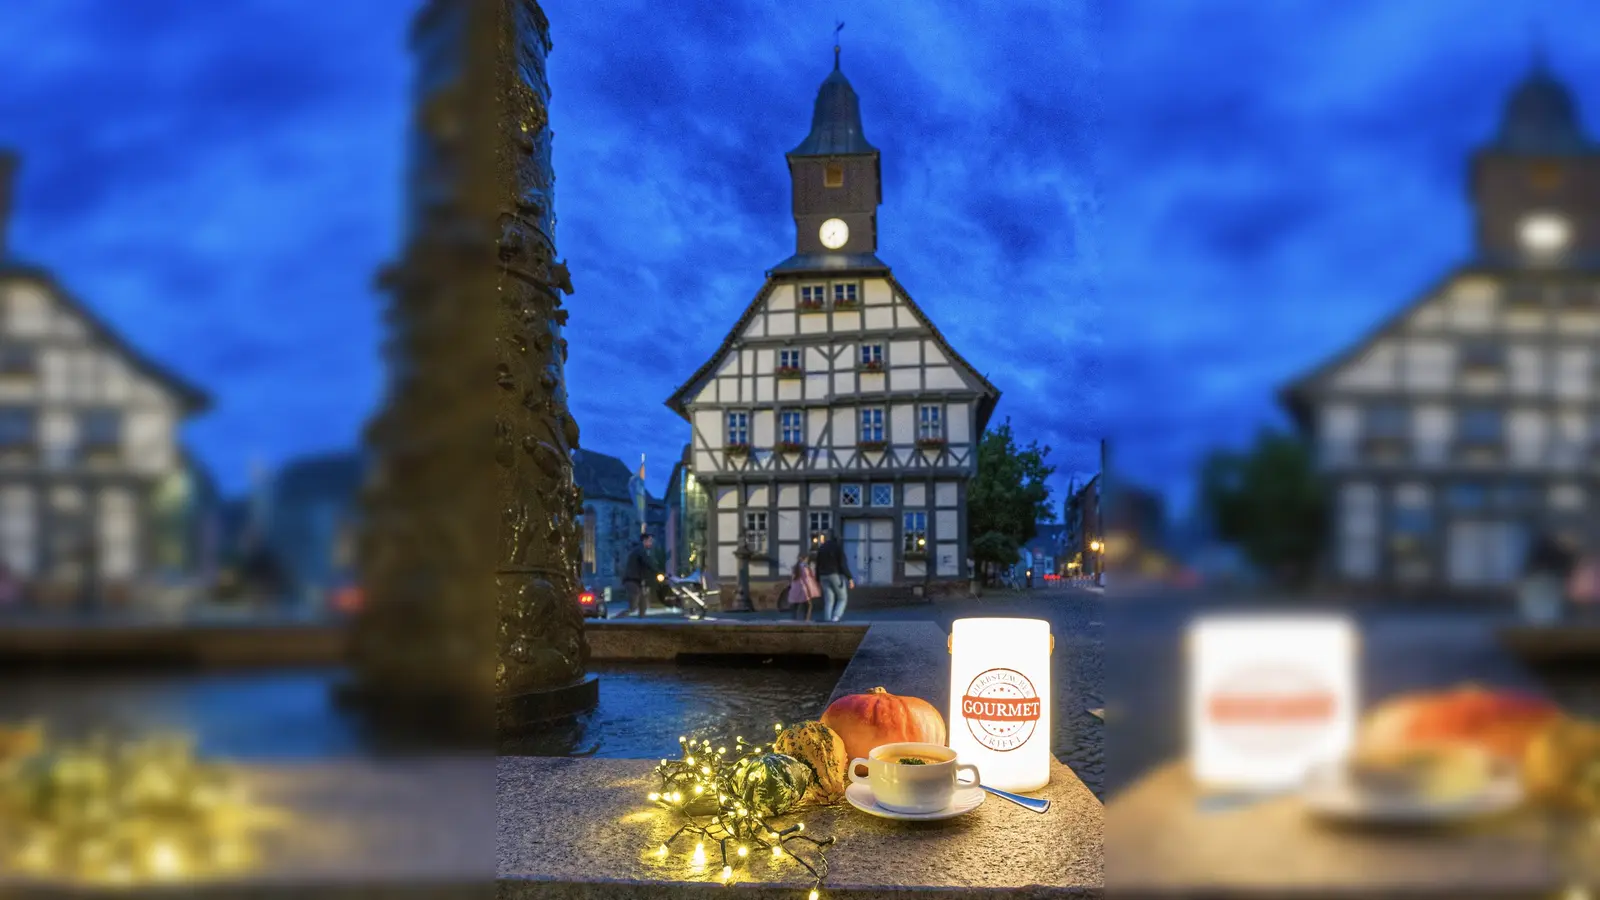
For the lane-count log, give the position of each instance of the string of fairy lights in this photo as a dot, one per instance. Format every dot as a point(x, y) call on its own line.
point(717, 807)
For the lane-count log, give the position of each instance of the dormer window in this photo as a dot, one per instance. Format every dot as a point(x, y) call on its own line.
point(833, 176)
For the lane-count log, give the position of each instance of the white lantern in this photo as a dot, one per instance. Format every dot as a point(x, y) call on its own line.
point(1000, 700)
point(1269, 698)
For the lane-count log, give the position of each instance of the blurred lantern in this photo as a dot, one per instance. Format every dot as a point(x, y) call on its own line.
point(1269, 698)
point(1000, 700)
point(348, 599)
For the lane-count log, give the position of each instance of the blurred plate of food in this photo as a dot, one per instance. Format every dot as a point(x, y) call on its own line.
point(1422, 786)
point(1435, 757)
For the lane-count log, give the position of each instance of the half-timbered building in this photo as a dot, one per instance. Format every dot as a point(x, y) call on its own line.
point(834, 402)
point(96, 492)
point(1468, 422)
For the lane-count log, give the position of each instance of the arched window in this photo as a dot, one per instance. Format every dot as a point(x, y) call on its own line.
point(588, 540)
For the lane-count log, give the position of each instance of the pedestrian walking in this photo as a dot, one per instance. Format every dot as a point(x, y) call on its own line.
point(833, 570)
point(1583, 587)
point(804, 589)
point(639, 570)
point(1545, 576)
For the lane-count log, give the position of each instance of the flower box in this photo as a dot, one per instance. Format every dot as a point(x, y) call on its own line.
point(916, 556)
point(812, 306)
point(931, 443)
point(873, 445)
point(871, 366)
point(846, 304)
point(737, 449)
point(790, 372)
point(791, 447)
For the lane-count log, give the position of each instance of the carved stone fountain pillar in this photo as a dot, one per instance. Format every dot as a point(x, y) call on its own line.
point(469, 551)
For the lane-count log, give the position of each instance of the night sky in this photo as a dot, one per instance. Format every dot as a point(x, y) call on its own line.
point(1138, 223)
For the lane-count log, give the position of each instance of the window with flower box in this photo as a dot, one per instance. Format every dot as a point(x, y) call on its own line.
point(930, 426)
point(871, 358)
point(916, 535)
point(845, 295)
point(791, 431)
point(789, 363)
point(872, 430)
point(813, 298)
point(738, 432)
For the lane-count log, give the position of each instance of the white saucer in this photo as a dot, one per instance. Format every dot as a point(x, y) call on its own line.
point(967, 798)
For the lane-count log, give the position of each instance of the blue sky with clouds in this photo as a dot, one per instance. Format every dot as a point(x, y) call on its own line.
point(1136, 218)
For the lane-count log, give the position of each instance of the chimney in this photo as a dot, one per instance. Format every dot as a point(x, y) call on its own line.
point(8, 171)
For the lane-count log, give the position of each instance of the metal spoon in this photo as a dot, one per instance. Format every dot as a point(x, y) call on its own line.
point(1036, 804)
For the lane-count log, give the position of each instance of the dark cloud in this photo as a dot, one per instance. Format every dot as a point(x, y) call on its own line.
point(1137, 218)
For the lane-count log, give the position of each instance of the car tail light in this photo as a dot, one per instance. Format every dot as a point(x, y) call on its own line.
point(586, 598)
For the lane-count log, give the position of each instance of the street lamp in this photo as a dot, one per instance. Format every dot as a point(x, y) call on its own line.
point(927, 569)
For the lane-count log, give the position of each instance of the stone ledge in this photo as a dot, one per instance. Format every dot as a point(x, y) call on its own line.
point(619, 640)
point(581, 828)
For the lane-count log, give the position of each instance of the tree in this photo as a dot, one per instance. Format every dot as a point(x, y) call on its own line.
point(1008, 497)
point(1269, 502)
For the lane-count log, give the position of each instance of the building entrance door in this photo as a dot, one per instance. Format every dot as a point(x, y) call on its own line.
point(869, 545)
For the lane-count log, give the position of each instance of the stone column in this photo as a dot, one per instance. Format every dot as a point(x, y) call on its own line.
point(469, 554)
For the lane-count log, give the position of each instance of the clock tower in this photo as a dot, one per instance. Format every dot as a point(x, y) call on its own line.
point(1536, 186)
point(836, 178)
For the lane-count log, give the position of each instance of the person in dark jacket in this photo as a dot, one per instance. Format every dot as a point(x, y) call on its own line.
point(833, 570)
point(639, 570)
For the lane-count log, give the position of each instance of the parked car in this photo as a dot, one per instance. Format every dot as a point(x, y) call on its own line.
point(593, 604)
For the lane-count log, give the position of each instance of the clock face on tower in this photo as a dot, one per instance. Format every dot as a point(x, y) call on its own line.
point(1544, 233)
point(834, 233)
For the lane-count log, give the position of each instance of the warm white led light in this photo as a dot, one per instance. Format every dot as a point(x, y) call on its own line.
point(1545, 233)
point(1270, 698)
point(1000, 700)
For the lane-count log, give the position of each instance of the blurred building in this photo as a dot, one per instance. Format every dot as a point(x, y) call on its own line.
point(1082, 527)
point(1466, 423)
point(610, 520)
point(686, 507)
point(97, 497)
point(834, 403)
point(1046, 551)
point(1136, 532)
point(311, 530)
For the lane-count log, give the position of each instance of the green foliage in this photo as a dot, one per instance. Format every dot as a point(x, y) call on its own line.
point(1008, 497)
point(1270, 502)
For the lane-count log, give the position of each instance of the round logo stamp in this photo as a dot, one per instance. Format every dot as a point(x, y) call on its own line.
point(1001, 709)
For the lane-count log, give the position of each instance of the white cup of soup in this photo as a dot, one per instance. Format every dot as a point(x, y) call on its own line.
point(912, 777)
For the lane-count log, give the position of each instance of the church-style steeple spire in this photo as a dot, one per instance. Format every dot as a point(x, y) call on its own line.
point(837, 184)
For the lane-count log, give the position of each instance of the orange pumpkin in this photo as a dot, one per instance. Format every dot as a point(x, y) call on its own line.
point(871, 720)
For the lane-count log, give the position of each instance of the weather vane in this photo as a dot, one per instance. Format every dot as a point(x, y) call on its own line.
point(836, 29)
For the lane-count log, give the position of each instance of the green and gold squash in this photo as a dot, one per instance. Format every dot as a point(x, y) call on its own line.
point(822, 750)
point(772, 783)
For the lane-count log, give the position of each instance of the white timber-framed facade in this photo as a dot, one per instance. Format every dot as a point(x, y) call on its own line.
point(1468, 424)
point(834, 403)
